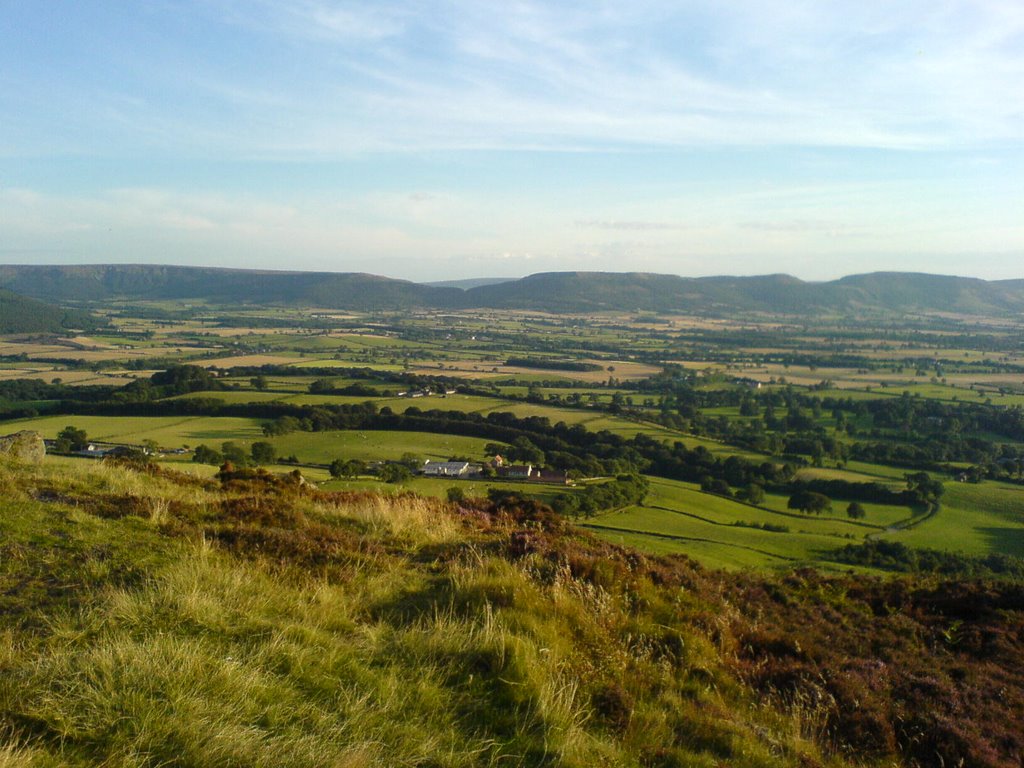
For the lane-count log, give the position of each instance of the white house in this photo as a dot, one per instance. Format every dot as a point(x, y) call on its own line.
point(445, 468)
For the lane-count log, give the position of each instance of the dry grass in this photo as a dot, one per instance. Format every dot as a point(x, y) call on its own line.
point(15, 756)
point(413, 519)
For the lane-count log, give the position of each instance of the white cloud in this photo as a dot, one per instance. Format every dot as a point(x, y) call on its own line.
point(531, 74)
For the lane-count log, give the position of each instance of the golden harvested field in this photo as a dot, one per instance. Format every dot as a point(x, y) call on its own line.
point(86, 342)
point(40, 374)
point(68, 377)
point(31, 348)
point(990, 379)
point(133, 374)
point(701, 365)
point(107, 380)
point(100, 355)
point(93, 352)
point(851, 378)
point(624, 370)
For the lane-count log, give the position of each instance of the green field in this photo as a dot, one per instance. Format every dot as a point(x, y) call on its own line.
point(757, 547)
point(324, 447)
point(168, 431)
point(552, 413)
point(310, 447)
point(974, 519)
point(677, 517)
point(710, 554)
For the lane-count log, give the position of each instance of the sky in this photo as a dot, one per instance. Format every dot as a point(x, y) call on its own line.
point(433, 140)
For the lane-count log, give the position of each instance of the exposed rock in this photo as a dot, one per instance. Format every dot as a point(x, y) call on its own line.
point(23, 446)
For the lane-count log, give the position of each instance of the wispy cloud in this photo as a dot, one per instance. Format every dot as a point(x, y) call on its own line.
point(533, 74)
point(307, 78)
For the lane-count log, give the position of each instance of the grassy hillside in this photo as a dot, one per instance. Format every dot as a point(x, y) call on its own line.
point(151, 618)
point(913, 292)
point(19, 314)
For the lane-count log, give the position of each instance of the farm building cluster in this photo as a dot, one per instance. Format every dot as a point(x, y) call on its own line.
point(497, 466)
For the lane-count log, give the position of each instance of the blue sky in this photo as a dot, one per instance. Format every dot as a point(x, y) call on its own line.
point(438, 140)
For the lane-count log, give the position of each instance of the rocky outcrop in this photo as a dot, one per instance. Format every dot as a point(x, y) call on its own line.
point(25, 446)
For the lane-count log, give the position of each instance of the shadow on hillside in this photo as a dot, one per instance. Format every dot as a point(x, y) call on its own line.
point(411, 605)
point(1007, 541)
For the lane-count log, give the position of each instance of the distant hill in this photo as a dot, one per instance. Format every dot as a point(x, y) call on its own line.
point(19, 314)
point(932, 292)
point(879, 292)
point(596, 291)
point(550, 291)
point(473, 282)
point(143, 281)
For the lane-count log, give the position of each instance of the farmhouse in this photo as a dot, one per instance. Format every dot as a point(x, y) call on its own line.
point(515, 471)
point(425, 392)
point(94, 451)
point(557, 476)
point(750, 383)
point(532, 474)
point(445, 468)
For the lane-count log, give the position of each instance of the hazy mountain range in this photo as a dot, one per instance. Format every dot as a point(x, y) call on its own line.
point(552, 291)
